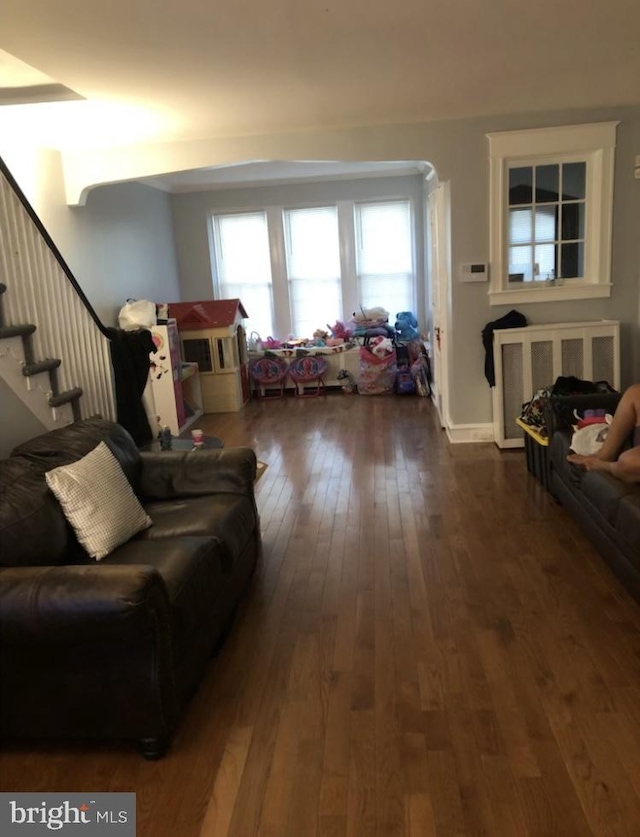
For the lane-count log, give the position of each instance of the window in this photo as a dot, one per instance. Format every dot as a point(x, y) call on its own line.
point(546, 222)
point(301, 268)
point(313, 268)
point(243, 266)
point(551, 209)
point(384, 256)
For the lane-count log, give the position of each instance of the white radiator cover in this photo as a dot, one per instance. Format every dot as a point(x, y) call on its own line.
point(528, 359)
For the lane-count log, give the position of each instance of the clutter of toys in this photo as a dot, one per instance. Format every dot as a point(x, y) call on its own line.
point(392, 358)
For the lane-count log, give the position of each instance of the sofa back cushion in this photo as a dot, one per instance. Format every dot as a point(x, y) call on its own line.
point(70, 443)
point(98, 501)
point(33, 529)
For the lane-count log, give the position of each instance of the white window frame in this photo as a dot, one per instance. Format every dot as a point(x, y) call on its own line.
point(412, 228)
point(593, 144)
point(290, 280)
point(214, 236)
point(281, 308)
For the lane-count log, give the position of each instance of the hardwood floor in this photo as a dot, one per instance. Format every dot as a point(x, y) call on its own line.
point(429, 647)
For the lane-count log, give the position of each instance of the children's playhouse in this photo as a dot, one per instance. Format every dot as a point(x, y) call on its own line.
point(212, 335)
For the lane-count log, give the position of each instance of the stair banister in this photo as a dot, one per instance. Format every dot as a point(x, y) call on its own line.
point(42, 290)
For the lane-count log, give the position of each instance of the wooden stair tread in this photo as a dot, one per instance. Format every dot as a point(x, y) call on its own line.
point(48, 365)
point(17, 330)
point(65, 397)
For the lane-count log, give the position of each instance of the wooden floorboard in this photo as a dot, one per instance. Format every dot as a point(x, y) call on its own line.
point(429, 648)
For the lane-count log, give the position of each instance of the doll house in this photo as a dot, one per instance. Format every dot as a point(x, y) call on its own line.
point(175, 385)
point(212, 334)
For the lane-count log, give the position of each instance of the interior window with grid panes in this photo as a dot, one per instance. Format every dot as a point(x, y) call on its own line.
point(547, 210)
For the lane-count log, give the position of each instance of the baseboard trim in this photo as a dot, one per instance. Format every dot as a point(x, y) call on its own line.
point(466, 433)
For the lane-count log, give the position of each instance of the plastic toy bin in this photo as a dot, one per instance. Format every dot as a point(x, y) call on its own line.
point(536, 449)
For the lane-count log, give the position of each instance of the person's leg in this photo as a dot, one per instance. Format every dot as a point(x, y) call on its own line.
point(626, 418)
point(625, 468)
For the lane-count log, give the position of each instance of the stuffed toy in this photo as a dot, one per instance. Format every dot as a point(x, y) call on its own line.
point(348, 382)
point(406, 326)
point(340, 330)
point(320, 337)
point(370, 316)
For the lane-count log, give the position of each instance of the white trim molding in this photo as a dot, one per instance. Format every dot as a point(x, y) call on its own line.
point(593, 144)
point(470, 433)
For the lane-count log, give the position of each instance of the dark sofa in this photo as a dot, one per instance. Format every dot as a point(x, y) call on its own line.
point(607, 508)
point(115, 649)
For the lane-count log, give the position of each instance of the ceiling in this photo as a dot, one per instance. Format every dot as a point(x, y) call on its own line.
point(16, 75)
point(201, 69)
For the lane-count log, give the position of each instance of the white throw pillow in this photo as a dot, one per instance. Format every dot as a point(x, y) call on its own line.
point(98, 501)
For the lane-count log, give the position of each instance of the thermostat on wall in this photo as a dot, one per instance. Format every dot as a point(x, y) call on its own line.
point(474, 272)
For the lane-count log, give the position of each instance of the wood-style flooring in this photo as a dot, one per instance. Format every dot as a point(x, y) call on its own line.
point(429, 648)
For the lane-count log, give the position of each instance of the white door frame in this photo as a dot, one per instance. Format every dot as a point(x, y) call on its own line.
point(439, 236)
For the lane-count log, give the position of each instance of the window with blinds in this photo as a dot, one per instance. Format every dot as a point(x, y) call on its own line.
point(384, 256)
point(243, 266)
point(312, 248)
point(297, 269)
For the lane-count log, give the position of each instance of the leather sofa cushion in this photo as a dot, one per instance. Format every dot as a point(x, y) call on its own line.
point(68, 444)
point(605, 493)
point(191, 569)
point(228, 517)
point(33, 529)
point(189, 566)
point(558, 451)
point(628, 527)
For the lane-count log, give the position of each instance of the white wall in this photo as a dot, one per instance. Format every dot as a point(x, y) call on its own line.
point(119, 245)
point(16, 420)
point(191, 211)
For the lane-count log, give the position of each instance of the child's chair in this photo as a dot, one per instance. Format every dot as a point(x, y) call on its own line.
point(267, 371)
point(307, 370)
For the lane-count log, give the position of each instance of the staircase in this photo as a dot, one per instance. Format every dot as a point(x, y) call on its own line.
point(54, 351)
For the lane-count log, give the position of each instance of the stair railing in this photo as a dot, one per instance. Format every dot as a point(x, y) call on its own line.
point(41, 289)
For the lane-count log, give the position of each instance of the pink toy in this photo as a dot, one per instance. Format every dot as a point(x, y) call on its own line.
point(340, 330)
point(272, 343)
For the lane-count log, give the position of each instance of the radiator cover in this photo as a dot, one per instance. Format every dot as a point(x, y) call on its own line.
point(530, 358)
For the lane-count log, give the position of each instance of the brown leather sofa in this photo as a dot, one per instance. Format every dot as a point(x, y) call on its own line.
point(115, 649)
point(607, 508)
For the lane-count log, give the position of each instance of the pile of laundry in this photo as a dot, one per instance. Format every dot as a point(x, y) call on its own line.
point(590, 431)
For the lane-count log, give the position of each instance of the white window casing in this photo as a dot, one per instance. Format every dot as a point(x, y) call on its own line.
point(385, 274)
point(290, 273)
point(593, 144)
point(242, 265)
point(312, 246)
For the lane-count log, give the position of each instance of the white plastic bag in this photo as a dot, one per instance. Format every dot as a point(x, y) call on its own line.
point(137, 313)
point(255, 342)
point(588, 440)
